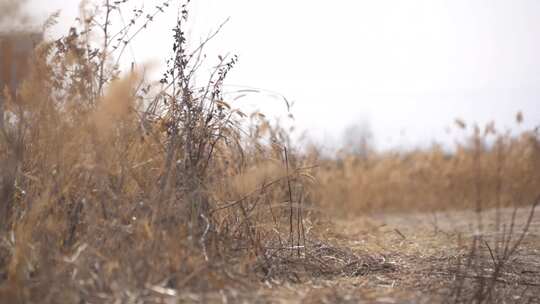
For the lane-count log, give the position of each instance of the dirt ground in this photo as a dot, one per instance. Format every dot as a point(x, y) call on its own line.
point(411, 259)
point(384, 258)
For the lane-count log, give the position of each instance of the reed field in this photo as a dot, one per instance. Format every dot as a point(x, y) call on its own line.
point(116, 188)
point(489, 168)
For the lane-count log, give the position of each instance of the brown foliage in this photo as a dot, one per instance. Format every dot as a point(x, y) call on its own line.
point(112, 185)
point(492, 169)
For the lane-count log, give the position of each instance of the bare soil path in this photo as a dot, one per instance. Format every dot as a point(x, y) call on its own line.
point(401, 258)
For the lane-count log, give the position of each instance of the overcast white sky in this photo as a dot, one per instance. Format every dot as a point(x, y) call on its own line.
point(407, 67)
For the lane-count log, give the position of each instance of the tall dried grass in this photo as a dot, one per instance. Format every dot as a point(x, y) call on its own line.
point(113, 188)
point(489, 167)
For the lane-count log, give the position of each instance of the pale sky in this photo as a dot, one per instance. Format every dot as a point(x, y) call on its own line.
point(408, 68)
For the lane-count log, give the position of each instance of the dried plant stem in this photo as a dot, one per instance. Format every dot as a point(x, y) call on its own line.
point(289, 187)
point(101, 80)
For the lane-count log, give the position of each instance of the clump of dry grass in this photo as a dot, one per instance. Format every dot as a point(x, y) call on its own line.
point(489, 168)
point(496, 266)
point(114, 188)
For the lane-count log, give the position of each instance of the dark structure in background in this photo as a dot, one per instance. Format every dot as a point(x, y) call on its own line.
point(15, 50)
